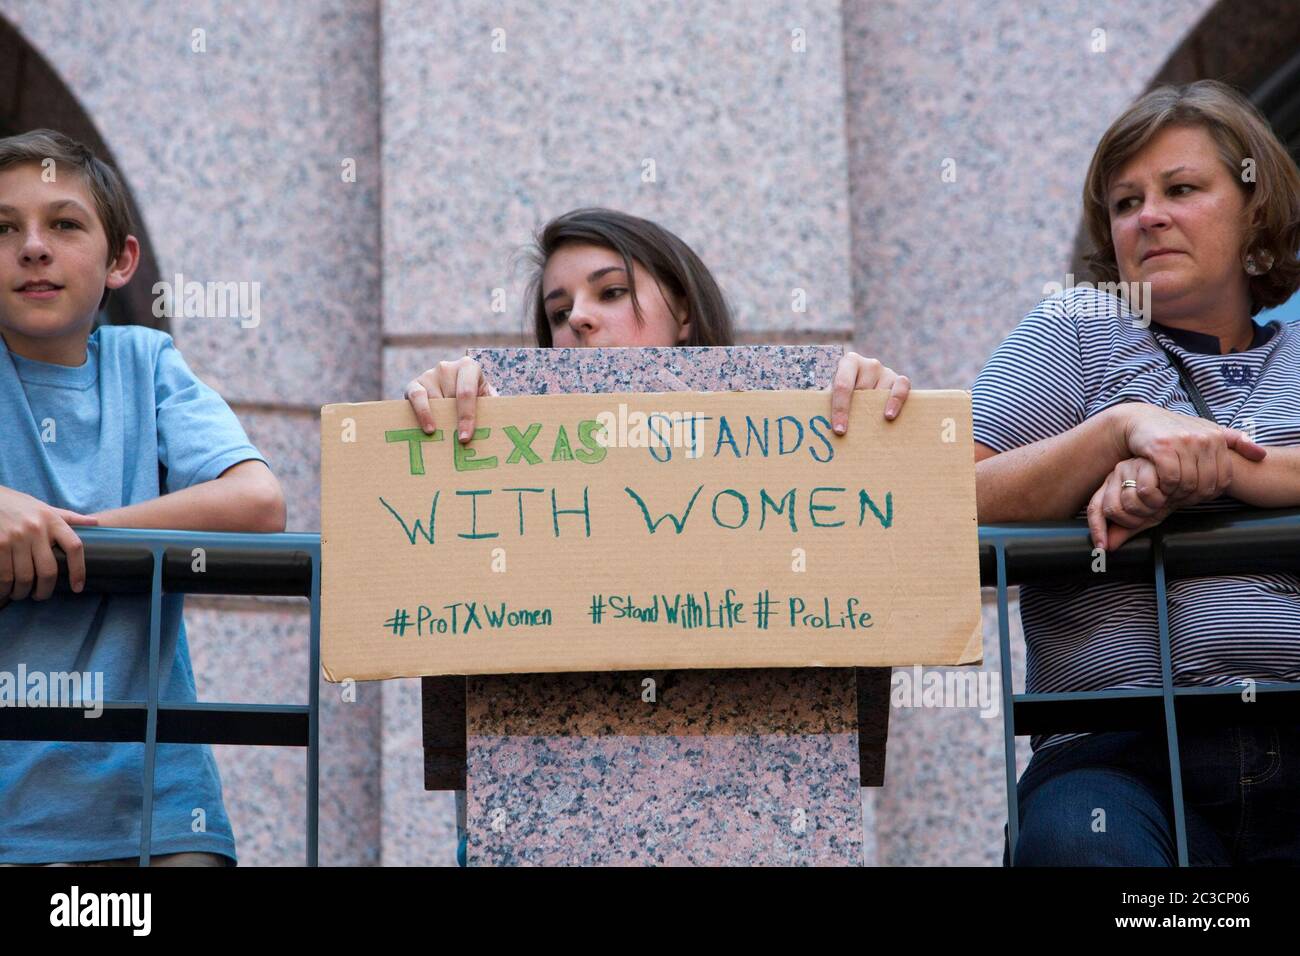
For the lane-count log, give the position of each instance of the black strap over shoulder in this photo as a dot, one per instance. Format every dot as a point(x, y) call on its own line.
point(1202, 408)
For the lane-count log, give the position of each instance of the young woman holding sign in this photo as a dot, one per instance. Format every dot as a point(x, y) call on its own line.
point(607, 279)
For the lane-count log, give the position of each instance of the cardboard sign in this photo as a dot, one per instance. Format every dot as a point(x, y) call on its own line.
point(648, 530)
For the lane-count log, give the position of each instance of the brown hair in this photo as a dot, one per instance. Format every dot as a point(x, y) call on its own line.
point(1272, 213)
point(101, 179)
point(669, 260)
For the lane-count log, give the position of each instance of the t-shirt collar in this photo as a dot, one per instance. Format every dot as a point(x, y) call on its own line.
point(1209, 344)
point(32, 372)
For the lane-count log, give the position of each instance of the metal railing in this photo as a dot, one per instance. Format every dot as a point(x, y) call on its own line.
point(1184, 546)
point(154, 562)
point(128, 561)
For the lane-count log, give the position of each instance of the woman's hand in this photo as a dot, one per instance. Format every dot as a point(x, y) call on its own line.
point(29, 529)
point(857, 371)
point(1116, 512)
point(463, 379)
point(1192, 456)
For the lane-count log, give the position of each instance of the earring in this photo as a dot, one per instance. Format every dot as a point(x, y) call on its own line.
point(1258, 268)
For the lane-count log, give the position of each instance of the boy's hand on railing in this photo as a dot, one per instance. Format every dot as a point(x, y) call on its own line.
point(856, 371)
point(29, 529)
point(462, 379)
point(1128, 502)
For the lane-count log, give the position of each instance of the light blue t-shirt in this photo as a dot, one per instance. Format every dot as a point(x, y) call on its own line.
point(130, 424)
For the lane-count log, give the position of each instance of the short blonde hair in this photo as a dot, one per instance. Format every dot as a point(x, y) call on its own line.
point(1272, 214)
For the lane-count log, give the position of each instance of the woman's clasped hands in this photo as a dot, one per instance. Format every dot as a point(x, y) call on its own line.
point(1167, 461)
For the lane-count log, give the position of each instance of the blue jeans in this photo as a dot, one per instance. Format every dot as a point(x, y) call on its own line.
point(1104, 799)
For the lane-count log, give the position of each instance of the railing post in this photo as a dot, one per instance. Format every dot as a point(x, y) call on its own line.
point(1008, 705)
point(313, 725)
point(1167, 692)
point(151, 719)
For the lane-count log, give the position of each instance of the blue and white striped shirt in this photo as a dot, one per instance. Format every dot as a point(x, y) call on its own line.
point(1074, 355)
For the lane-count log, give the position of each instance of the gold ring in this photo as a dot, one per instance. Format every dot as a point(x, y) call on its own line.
point(1128, 483)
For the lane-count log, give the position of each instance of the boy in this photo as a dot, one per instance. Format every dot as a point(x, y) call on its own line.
point(100, 426)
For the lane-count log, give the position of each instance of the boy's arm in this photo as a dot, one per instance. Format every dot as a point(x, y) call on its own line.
point(245, 497)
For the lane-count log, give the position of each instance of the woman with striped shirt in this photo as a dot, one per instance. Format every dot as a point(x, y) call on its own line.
point(1088, 408)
